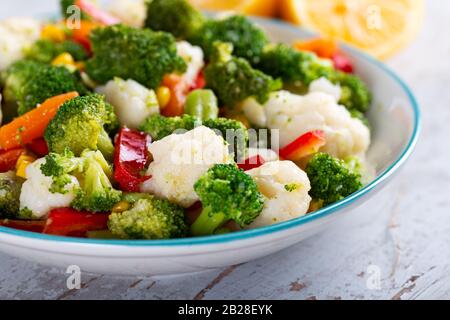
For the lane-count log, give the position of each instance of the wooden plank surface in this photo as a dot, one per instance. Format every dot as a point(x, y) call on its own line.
point(407, 245)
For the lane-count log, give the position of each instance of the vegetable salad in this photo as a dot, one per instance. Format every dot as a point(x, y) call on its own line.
point(165, 123)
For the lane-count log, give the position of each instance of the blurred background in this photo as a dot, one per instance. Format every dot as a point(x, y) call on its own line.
point(380, 27)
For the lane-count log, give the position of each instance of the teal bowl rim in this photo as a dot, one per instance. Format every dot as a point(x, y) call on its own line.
point(247, 234)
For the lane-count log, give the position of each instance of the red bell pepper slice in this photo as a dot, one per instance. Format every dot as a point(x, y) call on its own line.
point(200, 82)
point(8, 159)
point(307, 144)
point(341, 62)
point(39, 147)
point(130, 158)
point(69, 222)
point(25, 225)
point(252, 163)
point(96, 13)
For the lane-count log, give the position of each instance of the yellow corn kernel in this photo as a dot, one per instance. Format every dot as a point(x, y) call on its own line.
point(64, 59)
point(121, 207)
point(163, 95)
point(22, 163)
point(53, 32)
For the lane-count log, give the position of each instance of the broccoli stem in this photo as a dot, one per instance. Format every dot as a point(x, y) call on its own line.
point(207, 223)
point(105, 145)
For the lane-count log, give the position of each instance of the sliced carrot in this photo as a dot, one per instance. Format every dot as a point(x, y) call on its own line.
point(179, 90)
point(324, 48)
point(30, 126)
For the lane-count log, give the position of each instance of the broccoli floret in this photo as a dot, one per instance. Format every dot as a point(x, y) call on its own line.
point(355, 95)
point(10, 186)
point(29, 83)
point(175, 16)
point(59, 167)
point(233, 79)
point(332, 179)
point(96, 193)
point(65, 4)
point(300, 68)
point(226, 193)
point(13, 80)
point(233, 131)
point(45, 51)
point(159, 127)
point(149, 218)
point(80, 124)
point(247, 39)
point(128, 53)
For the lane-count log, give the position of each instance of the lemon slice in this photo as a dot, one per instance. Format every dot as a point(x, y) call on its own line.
point(250, 7)
point(380, 27)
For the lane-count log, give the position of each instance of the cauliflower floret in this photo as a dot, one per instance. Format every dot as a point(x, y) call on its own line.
point(295, 115)
point(285, 187)
point(130, 12)
point(267, 154)
point(16, 34)
point(254, 112)
point(193, 56)
point(178, 162)
point(132, 102)
point(35, 194)
point(324, 85)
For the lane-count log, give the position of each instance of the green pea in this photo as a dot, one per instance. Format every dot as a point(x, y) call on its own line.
point(202, 104)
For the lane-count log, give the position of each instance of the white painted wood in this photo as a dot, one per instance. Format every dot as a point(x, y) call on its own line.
point(409, 243)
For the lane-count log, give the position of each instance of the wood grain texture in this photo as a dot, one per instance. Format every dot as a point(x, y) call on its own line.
point(408, 243)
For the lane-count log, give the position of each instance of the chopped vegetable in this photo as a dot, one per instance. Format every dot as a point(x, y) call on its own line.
point(10, 186)
point(8, 159)
point(22, 163)
point(175, 16)
point(96, 193)
point(246, 37)
point(251, 163)
point(234, 80)
point(149, 218)
point(82, 34)
point(32, 125)
point(226, 193)
point(332, 179)
point(305, 145)
point(324, 48)
point(69, 222)
point(131, 157)
point(29, 83)
point(178, 92)
point(80, 124)
point(95, 13)
point(202, 104)
point(45, 51)
point(342, 63)
point(128, 53)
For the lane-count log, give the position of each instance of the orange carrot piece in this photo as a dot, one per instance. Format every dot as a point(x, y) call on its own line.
point(30, 126)
point(179, 90)
point(324, 48)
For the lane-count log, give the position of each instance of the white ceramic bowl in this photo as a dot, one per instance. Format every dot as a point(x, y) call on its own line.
point(395, 119)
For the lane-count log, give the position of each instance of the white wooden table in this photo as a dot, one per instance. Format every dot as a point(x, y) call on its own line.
point(408, 245)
